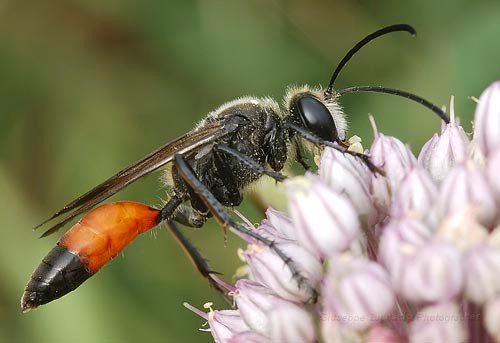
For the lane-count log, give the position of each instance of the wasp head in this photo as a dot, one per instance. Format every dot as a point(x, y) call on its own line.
point(320, 114)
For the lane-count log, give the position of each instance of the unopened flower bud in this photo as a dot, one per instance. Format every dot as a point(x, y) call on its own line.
point(249, 337)
point(425, 152)
point(357, 291)
point(393, 156)
point(269, 269)
point(382, 195)
point(482, 274)
point(379, 334)
point(291, 323)
point(254, 302)
point(325, 221)
point(434, 274)
point(487, 119)
point(227, 320)
point(492, 318)
point(441, 153)
point(492, 168)
point(277, 226)
point(395, 159)
point(401, 239)
point(416, 195)
point(466, 189)
point(348, 175)
point(476, 154)
point(223, 324)
point(438, 324)
point(462, 230)
point(332, 331)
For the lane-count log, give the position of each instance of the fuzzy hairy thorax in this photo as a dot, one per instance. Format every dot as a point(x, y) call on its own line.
point(292, 92)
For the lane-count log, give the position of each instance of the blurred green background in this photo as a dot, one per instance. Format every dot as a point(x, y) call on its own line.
point(87, 87)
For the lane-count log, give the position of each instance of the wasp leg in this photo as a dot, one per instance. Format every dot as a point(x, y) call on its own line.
point(300, 158)
point(222, 216)
point(311, 137)
point(170, 206)
point(188, 216)
point(253, 165)
point(175, 210)
point(195, 256)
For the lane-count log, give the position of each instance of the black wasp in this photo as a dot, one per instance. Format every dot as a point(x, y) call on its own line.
point(209, 168)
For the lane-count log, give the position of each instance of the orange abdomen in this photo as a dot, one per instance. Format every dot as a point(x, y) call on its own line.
point(107, 230)
point(85, 248)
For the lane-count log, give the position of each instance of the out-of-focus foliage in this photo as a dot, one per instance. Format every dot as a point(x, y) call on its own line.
point(86, 87)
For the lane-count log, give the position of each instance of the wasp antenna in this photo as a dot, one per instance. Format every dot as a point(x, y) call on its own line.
point(362, 43)
point(379, 89)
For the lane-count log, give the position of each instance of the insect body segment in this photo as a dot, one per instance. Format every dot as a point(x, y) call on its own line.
point(97, 238)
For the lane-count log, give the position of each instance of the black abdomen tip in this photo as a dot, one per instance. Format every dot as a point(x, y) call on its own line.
point(60, 272)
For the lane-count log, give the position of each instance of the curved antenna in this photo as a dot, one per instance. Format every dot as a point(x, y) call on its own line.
point(362, 43)
point(379, 89)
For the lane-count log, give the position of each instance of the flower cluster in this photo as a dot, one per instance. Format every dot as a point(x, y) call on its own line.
point(412, 256)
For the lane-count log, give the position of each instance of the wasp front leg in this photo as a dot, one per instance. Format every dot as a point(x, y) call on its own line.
point(254, 166)
point(311, 137)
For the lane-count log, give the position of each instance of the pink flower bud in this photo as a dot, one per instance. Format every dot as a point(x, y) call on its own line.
point(382, 195)
point(438, 324)
point(394, 157)
point(426, 151)
point(254, 302)
point(492, 168)
point(269, 269)
point(464, 189)
point(441, 153)
point(476, 154)
point(291, 323)
point(379, 333)
point(249, 337)
point(462, 230)
point(325, 221)
point(487, 119)
point(416, 195)
point(332, 331)
point(357, 291)
point(492, 318)
point(348, 175)
point(223, 324)
point(220, 332)
point(434, 274)
point(401, 239)
point(482, 273)
point(226, 323)
point(279, 225)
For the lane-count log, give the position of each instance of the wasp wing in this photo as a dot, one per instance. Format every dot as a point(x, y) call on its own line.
point(189, 142)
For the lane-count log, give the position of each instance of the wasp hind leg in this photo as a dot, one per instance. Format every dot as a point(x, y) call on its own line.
point(222, 216)
point(188, 216)
point(174, 212)
point(195, 256)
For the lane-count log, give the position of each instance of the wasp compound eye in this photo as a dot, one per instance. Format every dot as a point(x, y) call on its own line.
point(316, 117)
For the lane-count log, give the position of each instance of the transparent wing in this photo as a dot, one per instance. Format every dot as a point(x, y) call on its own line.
point(191, 141)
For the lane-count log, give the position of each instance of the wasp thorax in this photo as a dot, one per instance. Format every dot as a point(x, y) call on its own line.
point(315, 116)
